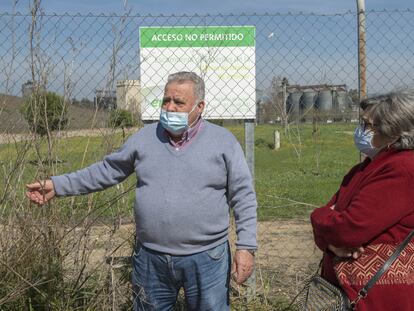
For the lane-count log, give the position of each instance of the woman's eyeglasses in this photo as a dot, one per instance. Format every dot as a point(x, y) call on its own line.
point(367, 126)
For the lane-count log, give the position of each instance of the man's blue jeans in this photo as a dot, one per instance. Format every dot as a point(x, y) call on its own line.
point(205, 277)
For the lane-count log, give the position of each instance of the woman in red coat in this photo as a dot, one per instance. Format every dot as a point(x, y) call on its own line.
point(373, 210)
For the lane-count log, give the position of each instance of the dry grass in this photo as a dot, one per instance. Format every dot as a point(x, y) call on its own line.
point(47, 264)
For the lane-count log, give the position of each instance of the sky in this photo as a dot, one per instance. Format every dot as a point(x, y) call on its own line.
point(308, 49)
point(179, 7)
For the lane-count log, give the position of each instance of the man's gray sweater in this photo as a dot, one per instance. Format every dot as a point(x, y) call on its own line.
point(183, 197)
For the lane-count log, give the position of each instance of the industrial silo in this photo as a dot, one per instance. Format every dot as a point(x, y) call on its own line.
point(341, 101)
point(128, 96)
point(341, 106)
point(307, 102)
point(292, 105)
point(324, 101)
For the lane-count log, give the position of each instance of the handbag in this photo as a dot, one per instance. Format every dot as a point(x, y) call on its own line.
point(320, 295)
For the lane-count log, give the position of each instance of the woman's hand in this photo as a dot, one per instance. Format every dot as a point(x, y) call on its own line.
point(345, 252)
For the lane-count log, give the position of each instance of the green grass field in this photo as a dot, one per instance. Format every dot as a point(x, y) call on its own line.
point(308, 167)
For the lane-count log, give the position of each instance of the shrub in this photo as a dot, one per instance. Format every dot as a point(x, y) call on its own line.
point(121, 118)
point(45, 110)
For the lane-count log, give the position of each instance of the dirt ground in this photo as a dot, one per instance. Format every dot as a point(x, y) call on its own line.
point(287, 254)
point(284, 241)
point(287, 257)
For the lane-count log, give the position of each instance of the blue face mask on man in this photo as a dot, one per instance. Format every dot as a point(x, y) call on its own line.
point(175, 122)
point(363, 141)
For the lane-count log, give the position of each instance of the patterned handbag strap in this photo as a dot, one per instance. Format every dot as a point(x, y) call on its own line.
point(364, 291)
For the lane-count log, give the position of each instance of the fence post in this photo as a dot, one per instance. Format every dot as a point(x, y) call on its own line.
point(249, 144)
point(277, 140)
point(249, 150)
point(362, 61)
point(284, 110)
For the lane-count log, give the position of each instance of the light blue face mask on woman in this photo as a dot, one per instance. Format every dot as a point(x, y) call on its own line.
point(175, 122)
point(363, 141)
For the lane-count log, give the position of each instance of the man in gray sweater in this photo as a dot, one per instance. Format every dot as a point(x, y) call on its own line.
point(190, 174)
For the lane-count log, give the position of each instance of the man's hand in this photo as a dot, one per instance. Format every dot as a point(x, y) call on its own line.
point(41, 192)
point(242, 266)
point(346, 252)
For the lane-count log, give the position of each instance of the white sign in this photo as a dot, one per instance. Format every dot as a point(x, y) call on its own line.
point(223, 56)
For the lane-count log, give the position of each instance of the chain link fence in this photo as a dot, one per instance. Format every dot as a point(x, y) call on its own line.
point(301, 61)
point(296, 70)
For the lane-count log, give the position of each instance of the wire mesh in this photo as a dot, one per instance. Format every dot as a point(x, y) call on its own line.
point(305, 69)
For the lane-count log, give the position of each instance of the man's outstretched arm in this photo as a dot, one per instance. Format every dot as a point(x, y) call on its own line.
point(113, 169)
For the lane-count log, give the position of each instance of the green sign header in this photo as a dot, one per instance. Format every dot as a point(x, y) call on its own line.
point(227, 36)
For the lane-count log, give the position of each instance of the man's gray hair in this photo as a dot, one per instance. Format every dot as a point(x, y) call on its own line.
point(392, 115)
point(185, 76)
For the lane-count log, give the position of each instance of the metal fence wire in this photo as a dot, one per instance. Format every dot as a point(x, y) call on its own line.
point(293, 67)
point(300, 61)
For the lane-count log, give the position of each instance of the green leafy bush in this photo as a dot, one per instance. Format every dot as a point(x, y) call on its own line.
point(45, 110)
point(121, 118)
